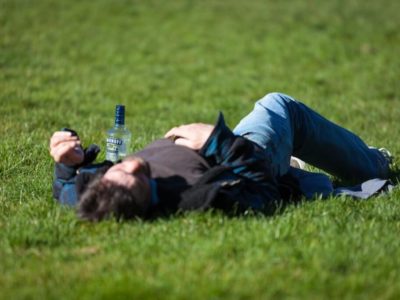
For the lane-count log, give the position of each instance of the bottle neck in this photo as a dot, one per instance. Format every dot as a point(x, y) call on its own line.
point(120, 116)
point(119, 125)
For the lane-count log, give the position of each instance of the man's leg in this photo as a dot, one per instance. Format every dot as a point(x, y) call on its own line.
point(284, 127)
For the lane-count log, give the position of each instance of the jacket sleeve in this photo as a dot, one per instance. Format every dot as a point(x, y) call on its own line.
point(64, 184)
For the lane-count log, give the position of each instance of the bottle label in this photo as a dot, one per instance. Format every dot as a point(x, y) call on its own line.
point(112, 149)
point(114, 141)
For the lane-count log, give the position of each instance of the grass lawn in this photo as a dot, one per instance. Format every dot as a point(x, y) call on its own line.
point(67, 63)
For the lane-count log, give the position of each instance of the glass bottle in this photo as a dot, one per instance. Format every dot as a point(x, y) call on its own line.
point(118, 137)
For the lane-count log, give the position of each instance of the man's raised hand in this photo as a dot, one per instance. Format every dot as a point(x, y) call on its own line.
point(66, 148)
point(192, 136)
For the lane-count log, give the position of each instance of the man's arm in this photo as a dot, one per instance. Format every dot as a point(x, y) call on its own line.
point(192, 136)
point(65, 148)
point(69, 156)
point(67, 152)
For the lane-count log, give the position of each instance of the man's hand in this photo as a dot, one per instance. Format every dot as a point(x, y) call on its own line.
point(192, 136)
point(66, 148)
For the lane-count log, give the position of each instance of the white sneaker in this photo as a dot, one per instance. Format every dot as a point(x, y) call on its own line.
point(387, 155)
point(297, 163)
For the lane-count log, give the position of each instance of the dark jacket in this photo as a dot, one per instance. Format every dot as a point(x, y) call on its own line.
point(229, 173)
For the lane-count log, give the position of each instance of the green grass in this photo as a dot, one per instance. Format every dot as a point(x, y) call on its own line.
point(67, 63)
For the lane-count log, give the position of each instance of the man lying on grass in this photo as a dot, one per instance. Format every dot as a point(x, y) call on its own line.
point(200, 166)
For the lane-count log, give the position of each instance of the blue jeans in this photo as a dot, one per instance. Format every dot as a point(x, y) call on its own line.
point(285, 127)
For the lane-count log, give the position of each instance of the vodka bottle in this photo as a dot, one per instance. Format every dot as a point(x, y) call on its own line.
point(118, 137)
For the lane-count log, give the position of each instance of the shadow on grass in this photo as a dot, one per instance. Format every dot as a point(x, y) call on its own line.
point(279, 207)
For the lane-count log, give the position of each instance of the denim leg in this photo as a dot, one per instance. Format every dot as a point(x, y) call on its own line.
point(284, 127)
point(269, 126)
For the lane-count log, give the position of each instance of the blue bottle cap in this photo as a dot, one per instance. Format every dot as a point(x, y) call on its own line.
point(120, 115)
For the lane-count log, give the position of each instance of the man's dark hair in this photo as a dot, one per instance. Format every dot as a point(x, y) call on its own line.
point(102, 200)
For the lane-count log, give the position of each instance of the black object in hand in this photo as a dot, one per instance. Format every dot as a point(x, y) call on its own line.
point(73, 132)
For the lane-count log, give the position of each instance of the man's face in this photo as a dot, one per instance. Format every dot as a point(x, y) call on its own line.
point(131, 172)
